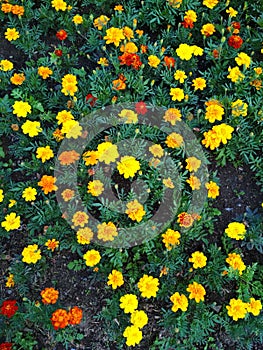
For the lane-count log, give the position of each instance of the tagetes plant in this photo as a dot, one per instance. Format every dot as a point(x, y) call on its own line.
point(188, 286)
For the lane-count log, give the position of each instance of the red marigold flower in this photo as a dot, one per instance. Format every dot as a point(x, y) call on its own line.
point(8, 308)
point(60, 319)
point(215, 53)
point(235, 41)
point(169, 61)
point(61, 34)
point(91, 100)
point(58, 52)
point(236, 25)
point(187, 23)
point(75, 315)
point(130, 59)
point(141, 108)
point(6, 346)
point(185, 219)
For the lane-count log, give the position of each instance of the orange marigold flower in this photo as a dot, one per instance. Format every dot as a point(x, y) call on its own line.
point(60, 319)
point(75, 315)
point(47, 183)
point(68, 157)
point(67, 194)
point(197, 291)
point(185, 219)
point(6, 8)
point(119, 84)
point(172, 115)
point(52, 244)
point(49, 295)
point(18, 78)
point(18, 10)
point(80, 218)
point(169, 61)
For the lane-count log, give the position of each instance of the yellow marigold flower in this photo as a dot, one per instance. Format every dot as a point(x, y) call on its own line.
point(194, 182)
point(171, 238)
point(133, 335)
point(95, 188)
point(18, 10)
point(90, 157)
point(92, 257)
point(6, 8)
point(235, 261)
point(115, 279)
point(236, 309)
point(172, 115)
point(128, 32)
point(107, 231)
point(1, 195)
point(180, 75)
point(258, 70)
point(254, 306)
point(11, 34)
point(135, 210)
point(29, 194)
point(80, 218)
point(18, 78)
point(210, 3)
point(128, 303)
point(214, 112)
point(197, 291)
point(72, 129)
point(69, 85)
point(107, 152)
point(197, 51)
point(184, 52)
point(232, 12)
point(31, 128)
point(198, 259)
point(44, 153)
point(235, 74)
point(213, 189)
point(100, 22)
point(77, 19)
point(21, 108)
point(239, 108)
point(58, 136)
point(224, 131)
point(114, 36)
point(179, 301)
point(64, 116)
point(59, 5)
point(193, 164)
point(168, 183)
point(190, 15)
point(148, 286)
point(84, 235)
point(208, 29)
point(174, 140)
point(6, 65)
point(156, 150)
point(118, 8)
point(31, 254)
point(12, 222)
point(10, 281)
point(103, 61)
point(128, 166)
point(12, 202)
point(52, 244)
point(153, 61)
point(44, 72)
point(243, 58)
point(139, 318)
point(177, 94)
point(139, 32)
point(129, 116)
point(199, 83)
point(236, 230)
point(129, 47)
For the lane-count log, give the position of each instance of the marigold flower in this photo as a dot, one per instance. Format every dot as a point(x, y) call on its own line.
point(243, 59)
point(90, 157)
point(141, 108)
point(168, 182)
point(239, 108)
point(44, 72)
point(68, 157)
point(174, 140)
point(235, 261)
point(148, 286)
point(29, 194)
point(107, 231)
point(58, 52)
point(103, 61)
point(208, 29)
point(59, 5)
point(107, 152)
point(75, 315)
point(180, 76)
point(235, 41)
point(6, 346)
point(210, 3)
point(119, 84)
point(198, 259)
point(69, 85)
point(8, 308)
point(179, 301)
point(156, 150)
point(95, 188)
point(130, 59)
point(18, 78)
point(114, 36)
point(199, 83)
point(31, 254)
point(118, 8)
point(31, 128)
point(84, 235)
point(6, 8)
point(10, 281)
point(100, 22)
point(232, 12)
point(129, 116)
point(237, 309)
point(172, 115)
point(213, 189)
point(197, 291)
point(77, 19)
point(236, 230)
point(214, 112)
point(153, 61)
point(52, 244)
point(193, 164)
point(169, 62)
point(44, 153)
point(21, 109)
point(128, 32)
point(6, 65)
point(64, 116)
point(194, 182)
point(18, 10)
point(128, 303)
point(12, 222)
point(128, 166)
point(185, 219)
point(92, 257)
point(254, 306)
point(177, 94)
point(47, 183)
point(11, 34)
point(135, 210)
point(60, 319)
point(133, 335)
point(49, 295)
point(115, 279)
point(80, 218)
point(171, 238)
point(1, 195)
point(184, 52)
point(139, 318)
